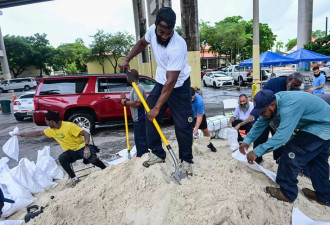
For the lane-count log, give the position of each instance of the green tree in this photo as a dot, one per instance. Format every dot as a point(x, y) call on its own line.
point(235, 36)
point(279, 45)
point(318, 34)
point(291, 43)
point(118, 44)
point(42, 56)
point(67, 55)
point(98, 48)
point(321, 45)
point(19, 53)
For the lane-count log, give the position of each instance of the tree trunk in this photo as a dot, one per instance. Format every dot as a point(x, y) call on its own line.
point(189, 21)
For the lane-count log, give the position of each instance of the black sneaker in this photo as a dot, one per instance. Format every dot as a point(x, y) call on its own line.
point(210, 146)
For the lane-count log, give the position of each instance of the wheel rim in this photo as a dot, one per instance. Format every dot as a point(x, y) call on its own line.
point(82, 122)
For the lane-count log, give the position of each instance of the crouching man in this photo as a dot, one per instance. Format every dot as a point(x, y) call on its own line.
point(73, 140)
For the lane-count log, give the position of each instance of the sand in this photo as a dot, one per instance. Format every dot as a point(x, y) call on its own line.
point(222, 191)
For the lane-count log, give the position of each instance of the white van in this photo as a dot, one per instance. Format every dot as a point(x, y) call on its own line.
point(20, 83)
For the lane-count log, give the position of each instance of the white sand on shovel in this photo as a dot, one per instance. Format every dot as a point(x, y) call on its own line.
point(222, 191)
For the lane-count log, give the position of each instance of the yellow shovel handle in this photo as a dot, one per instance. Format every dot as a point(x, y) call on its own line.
point(126, 127)
point(154, 121)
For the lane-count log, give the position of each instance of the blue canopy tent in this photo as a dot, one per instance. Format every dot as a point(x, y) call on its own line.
point(304, 55)
point(270, 59)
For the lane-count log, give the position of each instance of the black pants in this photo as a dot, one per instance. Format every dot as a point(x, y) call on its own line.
point(70, 156)
point(179, 103)
point(247, 127)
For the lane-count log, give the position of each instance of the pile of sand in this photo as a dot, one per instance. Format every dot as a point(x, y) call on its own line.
point(223, 191)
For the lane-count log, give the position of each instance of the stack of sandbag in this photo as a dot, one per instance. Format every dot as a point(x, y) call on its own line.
point(13, 190)
point(216, 123)
point(20, 182)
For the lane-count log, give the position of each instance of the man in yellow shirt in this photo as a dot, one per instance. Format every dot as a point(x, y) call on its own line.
point(73, 140)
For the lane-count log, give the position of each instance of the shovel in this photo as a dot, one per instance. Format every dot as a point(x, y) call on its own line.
point(127, 137)
point(175, 175)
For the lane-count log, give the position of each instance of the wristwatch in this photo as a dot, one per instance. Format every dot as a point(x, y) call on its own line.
point(86, 145)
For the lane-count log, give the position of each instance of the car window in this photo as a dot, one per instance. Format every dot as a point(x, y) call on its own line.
point(220, 75)
point(27, 96)
point(147, 84)
point(111, 84)
point(4, 82)
point(65, 86)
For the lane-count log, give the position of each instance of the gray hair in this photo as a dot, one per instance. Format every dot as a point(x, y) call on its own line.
point(296, 76)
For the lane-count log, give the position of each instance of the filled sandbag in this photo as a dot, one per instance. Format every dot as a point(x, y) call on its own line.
point(46, 163)
point(23, 174)
point(11, 147)
point(232, 139)
point(217, 122)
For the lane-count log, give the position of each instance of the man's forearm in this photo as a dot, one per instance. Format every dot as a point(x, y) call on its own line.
point(248, 120)
point(166, 92)
point(198, 120)
point(31, 134)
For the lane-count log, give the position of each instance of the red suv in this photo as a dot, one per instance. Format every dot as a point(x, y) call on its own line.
point(84, 99)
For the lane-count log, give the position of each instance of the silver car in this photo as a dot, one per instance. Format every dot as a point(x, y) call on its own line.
point(20, 83)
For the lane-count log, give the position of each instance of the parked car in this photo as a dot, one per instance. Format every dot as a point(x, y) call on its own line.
point(23, 107)
point(86, 100)
point(265, 74)
point(239, 74)
point(217, 79)
point(326, 71)
point(20, 83)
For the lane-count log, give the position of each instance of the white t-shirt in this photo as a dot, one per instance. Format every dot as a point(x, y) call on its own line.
point(241, 115)
point(170, 58)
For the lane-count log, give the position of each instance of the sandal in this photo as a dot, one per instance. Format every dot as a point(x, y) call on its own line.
point(276, 193)
point(312, 196)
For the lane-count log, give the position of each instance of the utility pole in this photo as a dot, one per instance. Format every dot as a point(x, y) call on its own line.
point(326, 26)
point(256, 49)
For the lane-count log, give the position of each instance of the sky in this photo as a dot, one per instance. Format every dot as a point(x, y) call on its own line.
point(66, 20)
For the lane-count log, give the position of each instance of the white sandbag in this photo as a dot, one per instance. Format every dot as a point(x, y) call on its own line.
point(43, 179)
point(199, 135)
point(23, 174)
point(217, 122)
point(223, 133)
point(20, 203)
point(47, 164)
point(11, 222)
point(214, 134)
point(14, 189)
point(232, 139)
point(3, 164)
point(11, 147)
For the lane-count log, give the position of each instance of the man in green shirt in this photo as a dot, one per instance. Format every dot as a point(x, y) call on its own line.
point(309, 147)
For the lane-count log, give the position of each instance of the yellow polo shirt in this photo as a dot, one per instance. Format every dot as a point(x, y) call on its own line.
point(67, 136)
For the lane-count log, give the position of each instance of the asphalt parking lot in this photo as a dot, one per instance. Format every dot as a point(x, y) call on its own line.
point(110, 139)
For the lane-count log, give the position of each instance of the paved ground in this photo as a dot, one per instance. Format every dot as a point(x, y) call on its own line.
point(112, 138)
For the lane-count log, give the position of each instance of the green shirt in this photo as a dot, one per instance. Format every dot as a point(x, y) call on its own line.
point(295, 109)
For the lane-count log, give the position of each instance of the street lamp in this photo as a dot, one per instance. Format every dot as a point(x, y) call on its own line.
point(3, 57)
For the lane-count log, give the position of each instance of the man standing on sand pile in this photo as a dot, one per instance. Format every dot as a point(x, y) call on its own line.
point(172, 88)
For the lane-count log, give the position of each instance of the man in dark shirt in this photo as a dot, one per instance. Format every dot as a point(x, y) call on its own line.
point(289, 83)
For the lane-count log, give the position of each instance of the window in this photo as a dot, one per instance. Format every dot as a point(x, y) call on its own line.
point(147, 84)
point(65, 86)
point(4, 82)
point(109, 84)
point(27, 96)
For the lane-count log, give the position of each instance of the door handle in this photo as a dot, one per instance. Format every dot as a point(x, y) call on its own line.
point(106, 97)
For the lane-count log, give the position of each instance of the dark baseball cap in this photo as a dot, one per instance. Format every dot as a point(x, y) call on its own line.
point(262, 99)
point(3, 199)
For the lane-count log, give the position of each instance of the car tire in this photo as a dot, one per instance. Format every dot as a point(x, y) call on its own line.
point(27, 88)
point(83, 120)
point(214, 85)
point(1, 90)
point(204, 83)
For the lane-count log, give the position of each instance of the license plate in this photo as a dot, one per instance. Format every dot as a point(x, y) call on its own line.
point(29, 113)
